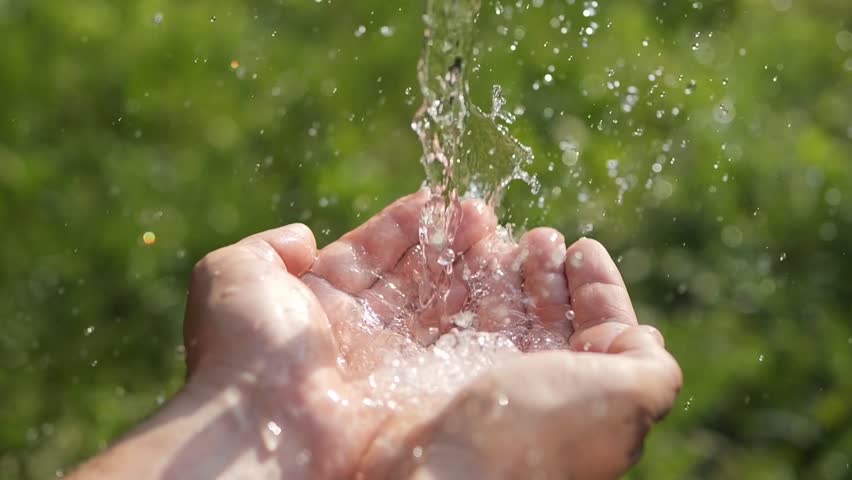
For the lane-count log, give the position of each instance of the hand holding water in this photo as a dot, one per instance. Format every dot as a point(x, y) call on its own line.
point(327, 365)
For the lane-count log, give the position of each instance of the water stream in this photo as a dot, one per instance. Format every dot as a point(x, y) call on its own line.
point(467, 152)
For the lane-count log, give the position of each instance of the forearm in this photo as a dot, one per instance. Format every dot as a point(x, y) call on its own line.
point(197, 434)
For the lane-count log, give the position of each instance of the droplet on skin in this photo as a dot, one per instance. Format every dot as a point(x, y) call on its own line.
point(557, 257)
point(502, 400)
point(271, 435)
point(274, 428)
point(577, 259)
point(303, 457)
point(417, 451)
point(334, 396)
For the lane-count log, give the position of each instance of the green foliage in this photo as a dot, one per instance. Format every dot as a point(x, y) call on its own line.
point(729, 206)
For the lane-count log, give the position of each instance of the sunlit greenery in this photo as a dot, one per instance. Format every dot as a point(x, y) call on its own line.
point(715, 152)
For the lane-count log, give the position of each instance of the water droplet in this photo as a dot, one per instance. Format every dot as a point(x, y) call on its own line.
point(577, 259)
point(271, 435)
point(158, 18)
point(213, 19)
point(502, 400)
point(303, 457)
point(334, 396)
point(463, 319)
point(725, 113)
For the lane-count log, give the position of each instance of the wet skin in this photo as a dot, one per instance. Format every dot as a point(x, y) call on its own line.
point(283, 343)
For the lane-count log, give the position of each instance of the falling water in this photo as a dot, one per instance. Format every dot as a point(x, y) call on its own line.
point(467, 152)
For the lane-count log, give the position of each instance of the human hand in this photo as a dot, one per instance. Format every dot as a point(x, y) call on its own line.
point(363, 311)
point(323, 365)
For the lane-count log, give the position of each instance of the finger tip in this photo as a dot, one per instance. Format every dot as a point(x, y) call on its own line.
point(297, 247)
point(543, 237)
point(543, 247)
point(305, 233)
point(588, 247)
point(588, 261)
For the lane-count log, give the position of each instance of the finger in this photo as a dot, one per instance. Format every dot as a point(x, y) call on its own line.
point(294, 244)
point(244, 292)
point(598, 294)
point(616, 337)
point(544, 282)
point(357, 259)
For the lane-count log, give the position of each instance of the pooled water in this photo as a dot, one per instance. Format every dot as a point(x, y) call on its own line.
point(433, 375)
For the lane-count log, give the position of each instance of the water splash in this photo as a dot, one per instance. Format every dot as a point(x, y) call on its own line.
point(467, 152)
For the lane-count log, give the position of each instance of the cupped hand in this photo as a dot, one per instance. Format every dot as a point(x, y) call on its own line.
point(343, 363)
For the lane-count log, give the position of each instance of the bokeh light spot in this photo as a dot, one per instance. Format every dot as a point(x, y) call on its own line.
point(149, 238)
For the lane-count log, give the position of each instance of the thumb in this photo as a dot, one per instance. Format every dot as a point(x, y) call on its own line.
point(293, 244)
point(246, 301)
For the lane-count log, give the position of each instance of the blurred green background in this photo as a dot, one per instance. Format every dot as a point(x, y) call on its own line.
point(715, 150)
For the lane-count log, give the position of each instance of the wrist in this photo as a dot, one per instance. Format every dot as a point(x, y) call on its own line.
point(199, 433)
